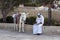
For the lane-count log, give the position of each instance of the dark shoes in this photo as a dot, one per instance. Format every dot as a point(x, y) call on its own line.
point(38, 34)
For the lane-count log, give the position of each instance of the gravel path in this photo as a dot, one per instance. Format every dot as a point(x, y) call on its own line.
point(8, 35)
point(50, 33)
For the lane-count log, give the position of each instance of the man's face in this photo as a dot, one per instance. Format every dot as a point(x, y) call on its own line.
point(39, 16)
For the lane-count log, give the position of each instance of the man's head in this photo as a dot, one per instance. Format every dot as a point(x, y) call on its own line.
point(39, 15)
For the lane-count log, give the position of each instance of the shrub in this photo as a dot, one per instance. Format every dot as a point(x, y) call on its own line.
point(53, 22)
point(30, 20)
point(1, 20)
point(46, 21)
point(30, 4)
point(9, 19)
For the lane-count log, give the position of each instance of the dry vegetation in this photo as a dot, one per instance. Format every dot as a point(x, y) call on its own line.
point(33, 12)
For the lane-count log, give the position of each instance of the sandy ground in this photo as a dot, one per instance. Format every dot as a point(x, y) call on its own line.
point(8, 35)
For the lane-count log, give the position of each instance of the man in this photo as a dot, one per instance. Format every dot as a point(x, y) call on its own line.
point(21, 21)
point(37, 28)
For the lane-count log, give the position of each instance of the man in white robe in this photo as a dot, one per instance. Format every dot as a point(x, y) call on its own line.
point(22, 21)
point(37, 28)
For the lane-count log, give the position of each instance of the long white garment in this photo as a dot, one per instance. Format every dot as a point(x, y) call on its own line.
point(21, 22)
point(38, 28)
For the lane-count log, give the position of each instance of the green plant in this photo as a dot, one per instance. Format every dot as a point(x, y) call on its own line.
point(53, 22)
point(45, 21)
point(9, 19)
point(30, 20)
point(1, 20)
point(30, 4)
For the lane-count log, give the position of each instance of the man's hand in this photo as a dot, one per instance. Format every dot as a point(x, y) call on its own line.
point(39, 23)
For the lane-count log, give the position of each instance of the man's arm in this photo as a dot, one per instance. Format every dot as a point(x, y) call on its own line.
point(39, 23)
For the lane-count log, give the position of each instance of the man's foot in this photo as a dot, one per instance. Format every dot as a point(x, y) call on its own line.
point(38, 34)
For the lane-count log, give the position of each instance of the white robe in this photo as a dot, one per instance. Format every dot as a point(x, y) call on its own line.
point(38, 28)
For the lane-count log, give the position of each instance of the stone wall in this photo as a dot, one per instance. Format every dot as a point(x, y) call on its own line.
point(29, 28)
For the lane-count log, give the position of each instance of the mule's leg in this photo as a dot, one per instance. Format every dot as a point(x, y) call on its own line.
point(23, 26)
point(20, 26)
point(14, 24)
